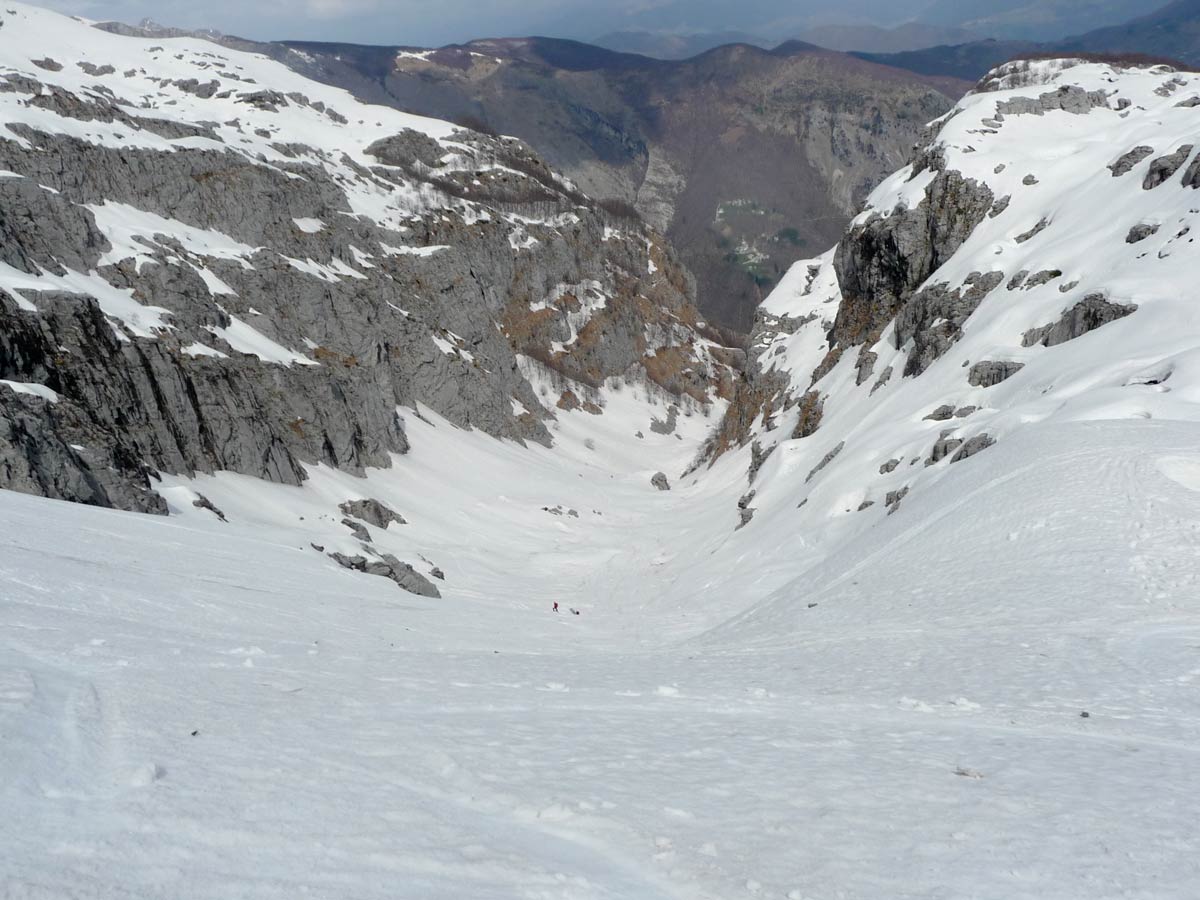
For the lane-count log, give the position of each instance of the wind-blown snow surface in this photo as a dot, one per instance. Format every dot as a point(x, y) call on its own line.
point(197, 709)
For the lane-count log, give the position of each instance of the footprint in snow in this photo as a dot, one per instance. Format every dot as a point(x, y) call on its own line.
point(146, 775)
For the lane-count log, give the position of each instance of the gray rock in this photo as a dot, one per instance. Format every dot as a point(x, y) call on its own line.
point(1127, 161)
point(812, 410)
point(941, 414)
point(933, 318)
point(758, 456)
point(881, 262)
point(992, 372)
point(1162, 168)
point(140, 405)
point(1033, 232)
point(945, 446)
point(95, 70)
point(387, 566)
point(360, 530)
point(977, 444)
point(892, 501)
point(1030, 179)
point(1140, 232)
point(826, 460)
point(1191, 178)
point(202, 502)
point(890, 466)
point(660, 481)
point(1037, 279)
point(1069, 98)
point(865, 365)
point(373, 512)
point(659, 426)
point(1017, 280)
point(1090, 313)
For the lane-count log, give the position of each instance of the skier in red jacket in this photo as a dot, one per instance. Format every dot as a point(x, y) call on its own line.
point(556, 606)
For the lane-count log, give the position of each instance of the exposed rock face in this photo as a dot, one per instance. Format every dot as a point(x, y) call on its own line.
point(882, 262)
point(372, 512)
point(1087, 315)
point(1191, 178)
point(933, 318)
point(1068, 98)
point(660, 481)
point(945, 446)
point(667, 426)
point(1164, 167)
point(792, 139)
point(387, 566)
point(1127, 161)
point(260, 293)
point(991, 372)
point(812, 408)
point(971, 446)
point(826, 460)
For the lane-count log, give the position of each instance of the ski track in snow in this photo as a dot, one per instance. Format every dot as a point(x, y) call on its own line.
point(907, 737)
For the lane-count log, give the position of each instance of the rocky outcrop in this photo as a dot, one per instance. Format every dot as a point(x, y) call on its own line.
point(1191, 178)
point(1162, 168)
point(946, 445)
point(933, 318)
point(812, 410)
point(1125, 164)
point(373, 512)
point(660, 482)
point(387, 566)
point(825, 460)
point(882, 262)
point(1068, 98)
point(666, 426)
point(991, 372)
point(972, 446)
point(1139, 233)
point(207, 309)
point(627, 129)
point(1088, 314)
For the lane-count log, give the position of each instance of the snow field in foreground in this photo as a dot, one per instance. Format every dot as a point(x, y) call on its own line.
point(917, 733)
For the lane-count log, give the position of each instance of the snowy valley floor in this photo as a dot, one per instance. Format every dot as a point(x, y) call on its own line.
point(193, 709)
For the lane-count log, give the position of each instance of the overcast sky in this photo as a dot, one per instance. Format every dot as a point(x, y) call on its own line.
point(437, 22)
point(429, 22)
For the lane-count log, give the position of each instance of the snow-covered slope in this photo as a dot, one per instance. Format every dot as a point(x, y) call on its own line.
point(988, 694)
point(201, 710)
point(1036, 264)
